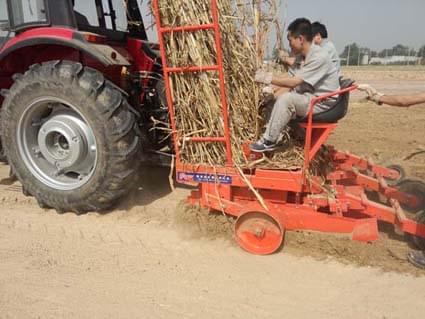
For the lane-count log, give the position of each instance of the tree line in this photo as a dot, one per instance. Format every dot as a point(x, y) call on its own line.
point(355, 53)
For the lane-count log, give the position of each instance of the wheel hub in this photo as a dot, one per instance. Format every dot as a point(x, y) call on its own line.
point(57, 144)
point(62, 141)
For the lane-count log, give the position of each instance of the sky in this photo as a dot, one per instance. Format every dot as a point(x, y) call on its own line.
point(377, 24)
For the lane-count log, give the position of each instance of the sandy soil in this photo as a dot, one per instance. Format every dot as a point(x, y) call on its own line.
point(388, 80)
point(152, 258)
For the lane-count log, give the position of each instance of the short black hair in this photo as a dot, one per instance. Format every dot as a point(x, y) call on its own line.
point(301, 27)
point(319, 28)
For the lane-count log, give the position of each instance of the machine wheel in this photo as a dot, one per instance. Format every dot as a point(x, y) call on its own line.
point(419, 241)
point(258, 233)
point(415, 188)
point(400, 170)
point(70, 136)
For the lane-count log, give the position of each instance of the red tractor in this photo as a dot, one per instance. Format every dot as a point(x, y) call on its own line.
point(80, 87)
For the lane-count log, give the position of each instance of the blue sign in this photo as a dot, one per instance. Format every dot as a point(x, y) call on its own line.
point(204, 178)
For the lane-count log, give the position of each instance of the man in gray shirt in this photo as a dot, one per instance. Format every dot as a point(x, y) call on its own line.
point(312, 74)
point(320, 37)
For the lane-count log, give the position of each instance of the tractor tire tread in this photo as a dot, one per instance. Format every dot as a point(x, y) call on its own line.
point(113, 116)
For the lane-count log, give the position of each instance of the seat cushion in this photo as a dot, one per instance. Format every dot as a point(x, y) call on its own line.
point(337, 111)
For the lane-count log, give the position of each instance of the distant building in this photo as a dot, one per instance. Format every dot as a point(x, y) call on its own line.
point(395, 59)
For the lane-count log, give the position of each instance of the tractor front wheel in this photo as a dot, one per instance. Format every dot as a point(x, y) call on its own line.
point(70, 136)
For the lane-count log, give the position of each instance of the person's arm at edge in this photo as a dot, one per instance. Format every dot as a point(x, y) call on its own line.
point(402, 100)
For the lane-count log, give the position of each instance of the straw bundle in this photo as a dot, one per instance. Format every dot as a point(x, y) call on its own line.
point(245, 33)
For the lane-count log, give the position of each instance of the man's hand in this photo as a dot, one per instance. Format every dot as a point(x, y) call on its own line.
point(372, 93)
point(283, 54)
point(263, 77)
point(269, 89)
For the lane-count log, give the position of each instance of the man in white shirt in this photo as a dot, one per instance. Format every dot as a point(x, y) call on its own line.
point(312, 74)
point(320, 37)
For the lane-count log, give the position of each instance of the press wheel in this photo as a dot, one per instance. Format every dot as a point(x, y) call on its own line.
point(259, 233)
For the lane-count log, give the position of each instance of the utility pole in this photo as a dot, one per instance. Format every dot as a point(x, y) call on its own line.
point(409, 55)
point(423, 54)
point(358, 57)
point(349, 53)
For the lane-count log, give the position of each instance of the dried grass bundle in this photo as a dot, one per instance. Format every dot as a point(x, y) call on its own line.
point(245, 31)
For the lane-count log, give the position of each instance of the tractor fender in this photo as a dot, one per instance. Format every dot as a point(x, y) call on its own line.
point(65, 37)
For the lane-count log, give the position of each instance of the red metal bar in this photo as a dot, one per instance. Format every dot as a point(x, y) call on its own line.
point(323, 131)
point(216, 22)
point(389, 192)
point(206, 139)
point(363, 164)
point(186, 69)
point(387, 214)
point(168, 93)
point(188, 28)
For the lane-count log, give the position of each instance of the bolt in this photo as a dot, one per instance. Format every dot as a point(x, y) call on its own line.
point(36, 151)
point(260, 232)
point(56, 173)
point(75, 139)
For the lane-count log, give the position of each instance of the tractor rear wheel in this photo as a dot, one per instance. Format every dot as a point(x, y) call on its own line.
point(3, 158)
point(70, 136)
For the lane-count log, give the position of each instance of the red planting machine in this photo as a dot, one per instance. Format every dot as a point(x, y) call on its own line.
point(267, 202)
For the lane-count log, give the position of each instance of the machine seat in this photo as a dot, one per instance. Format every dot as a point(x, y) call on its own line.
point(338, 110)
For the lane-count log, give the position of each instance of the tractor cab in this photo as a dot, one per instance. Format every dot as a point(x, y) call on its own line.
point(114, 19)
